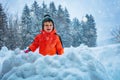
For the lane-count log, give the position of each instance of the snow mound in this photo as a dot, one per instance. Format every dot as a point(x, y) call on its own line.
point(75, 64)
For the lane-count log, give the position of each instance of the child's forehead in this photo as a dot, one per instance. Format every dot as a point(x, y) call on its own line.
point(48, 22)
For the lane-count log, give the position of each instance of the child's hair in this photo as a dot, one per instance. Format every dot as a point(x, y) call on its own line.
point(47, 18)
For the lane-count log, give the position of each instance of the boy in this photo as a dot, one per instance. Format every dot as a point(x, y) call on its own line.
point(47, 41)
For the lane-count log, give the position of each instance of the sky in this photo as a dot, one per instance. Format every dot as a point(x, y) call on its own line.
point(105, 12)
point(81, 63)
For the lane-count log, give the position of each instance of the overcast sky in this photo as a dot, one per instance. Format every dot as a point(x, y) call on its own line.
point(105, 12)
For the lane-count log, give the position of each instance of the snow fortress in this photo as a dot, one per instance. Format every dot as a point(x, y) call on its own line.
point(81, 63)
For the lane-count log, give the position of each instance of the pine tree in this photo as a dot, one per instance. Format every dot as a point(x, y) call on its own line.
point(52, 9)
point(36, 15)
point(14, 32)
point(3, 27)
point(17, 37)
point(26, 27)
point(77, 33)
point(89, 34)
point(63, 26)
point(67, 34)
point(44, 9)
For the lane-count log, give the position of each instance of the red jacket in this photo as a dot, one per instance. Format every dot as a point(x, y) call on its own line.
point(48, 43)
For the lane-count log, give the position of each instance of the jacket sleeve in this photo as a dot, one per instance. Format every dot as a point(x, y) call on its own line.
point(60, 49)
point(34, 44)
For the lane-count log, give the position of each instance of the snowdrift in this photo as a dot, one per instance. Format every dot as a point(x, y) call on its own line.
point(81, 63)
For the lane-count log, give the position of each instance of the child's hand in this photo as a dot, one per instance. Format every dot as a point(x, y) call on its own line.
point(27, 51)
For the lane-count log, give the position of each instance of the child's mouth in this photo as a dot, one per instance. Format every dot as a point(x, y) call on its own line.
point(48, 29)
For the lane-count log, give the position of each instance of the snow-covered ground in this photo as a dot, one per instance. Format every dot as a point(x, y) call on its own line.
point(81, 63)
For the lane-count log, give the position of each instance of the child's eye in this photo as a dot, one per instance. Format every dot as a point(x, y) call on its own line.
point(46, 25)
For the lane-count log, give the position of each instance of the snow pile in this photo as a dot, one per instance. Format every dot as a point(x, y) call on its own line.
point(109, 56)
point(80, 63)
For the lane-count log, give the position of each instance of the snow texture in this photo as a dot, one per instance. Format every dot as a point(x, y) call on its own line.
point(81, 63)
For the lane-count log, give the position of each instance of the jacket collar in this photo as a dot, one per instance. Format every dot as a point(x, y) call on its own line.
point(52, 32)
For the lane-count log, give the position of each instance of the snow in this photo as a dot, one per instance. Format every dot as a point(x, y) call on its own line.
point(84, 19)
point(81, 63)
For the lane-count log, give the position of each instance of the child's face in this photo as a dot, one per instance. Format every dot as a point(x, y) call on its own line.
point(48, 26)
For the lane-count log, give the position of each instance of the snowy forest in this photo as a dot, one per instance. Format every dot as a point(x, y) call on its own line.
point(19, 32)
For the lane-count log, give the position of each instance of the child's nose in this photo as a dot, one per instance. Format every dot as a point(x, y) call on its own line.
point(49, 26)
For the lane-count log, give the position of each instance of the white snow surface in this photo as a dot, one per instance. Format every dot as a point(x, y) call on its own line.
point(81, 63)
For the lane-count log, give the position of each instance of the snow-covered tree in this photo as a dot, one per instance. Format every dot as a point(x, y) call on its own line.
point(14, 39)
point(36, 14)
point(60, 19)
point(77, 33)
point(68, 39)
point(52, 9)
point(89, 31)
point(3, 27)
point(63, 24)
point(26, 23)
point(44, 9)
